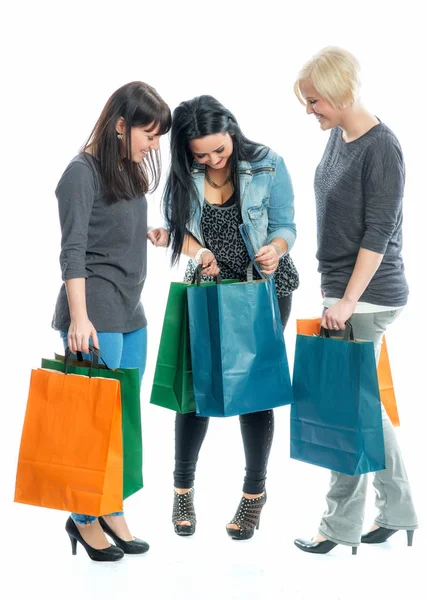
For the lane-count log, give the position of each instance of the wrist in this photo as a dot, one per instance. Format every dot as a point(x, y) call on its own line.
point(349, 300)
point(199, 253)
point(78, 316)
point(277, 248)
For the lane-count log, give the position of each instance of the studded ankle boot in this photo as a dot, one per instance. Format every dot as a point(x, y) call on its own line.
point(247, 517)
point(183, 510)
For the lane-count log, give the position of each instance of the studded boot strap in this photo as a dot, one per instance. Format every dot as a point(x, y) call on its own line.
point(183, 507)
point(248, 512)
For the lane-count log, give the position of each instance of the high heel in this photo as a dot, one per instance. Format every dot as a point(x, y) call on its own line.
point(183, 510)
point(319, 547)
point(111, 553)
point(381, 534)
point(247, 517)
point(73, 544)
point(135, 546)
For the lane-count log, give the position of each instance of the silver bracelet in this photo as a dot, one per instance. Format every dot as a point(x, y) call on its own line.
point(199, 253)
point(276, 247)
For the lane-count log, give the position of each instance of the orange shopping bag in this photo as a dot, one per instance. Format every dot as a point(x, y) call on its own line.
point(71, 447)
point(385, 380)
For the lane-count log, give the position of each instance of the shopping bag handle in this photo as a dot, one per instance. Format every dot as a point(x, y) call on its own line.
point(250, 272)
point(95, 357)
point(348, 333)
point(197, 276)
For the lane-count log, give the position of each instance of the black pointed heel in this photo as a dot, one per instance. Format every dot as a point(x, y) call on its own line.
point(380, 535)
point(73, 541)
point(111, 553)
point(247, 517)
point(319, 547)
point(183, 510)
point(135, 546)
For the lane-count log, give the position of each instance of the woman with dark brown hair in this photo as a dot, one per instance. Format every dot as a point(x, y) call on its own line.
point(103, 217)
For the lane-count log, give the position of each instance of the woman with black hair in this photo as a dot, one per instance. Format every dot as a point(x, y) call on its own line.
point(227, 201)
point(103, 217)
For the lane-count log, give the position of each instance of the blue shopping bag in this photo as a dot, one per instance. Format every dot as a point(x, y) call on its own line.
point(336, 419)
point(238, 350)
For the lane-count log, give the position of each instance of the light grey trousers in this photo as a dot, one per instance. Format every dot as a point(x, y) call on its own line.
point(343, 519)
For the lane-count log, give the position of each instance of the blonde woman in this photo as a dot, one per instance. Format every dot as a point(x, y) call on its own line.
point(359, 187)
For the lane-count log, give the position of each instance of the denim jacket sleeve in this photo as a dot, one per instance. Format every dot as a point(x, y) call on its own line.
point(281, 207)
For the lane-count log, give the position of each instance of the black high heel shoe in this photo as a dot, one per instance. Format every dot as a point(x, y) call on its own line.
point(135, 546)
point(380, 535)
point(318, 547)
point(183, 510)
point(247, 517)
point(111, 553)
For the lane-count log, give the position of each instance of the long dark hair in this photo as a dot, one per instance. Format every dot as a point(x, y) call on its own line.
point(139, 105)
point(191, 120)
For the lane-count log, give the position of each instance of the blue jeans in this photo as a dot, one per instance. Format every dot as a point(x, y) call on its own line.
point(119, 350)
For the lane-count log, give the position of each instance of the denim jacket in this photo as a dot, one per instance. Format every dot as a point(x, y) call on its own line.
point(266, 198)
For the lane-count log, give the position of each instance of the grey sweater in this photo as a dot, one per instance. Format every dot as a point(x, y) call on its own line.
point(104, 243)
point(359, 189)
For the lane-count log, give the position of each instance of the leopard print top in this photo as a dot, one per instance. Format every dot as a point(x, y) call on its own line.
point(220, 227)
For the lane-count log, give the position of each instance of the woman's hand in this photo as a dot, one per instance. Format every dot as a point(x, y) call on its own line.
point(79, 333)
point(208, 261)
point(267, 258)
point(336, 316)
point(159, 237)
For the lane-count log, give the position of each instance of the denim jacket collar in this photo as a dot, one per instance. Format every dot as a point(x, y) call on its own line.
point(245, 173)
point(198, 169)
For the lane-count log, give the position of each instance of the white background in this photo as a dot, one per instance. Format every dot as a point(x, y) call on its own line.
point(60, 63)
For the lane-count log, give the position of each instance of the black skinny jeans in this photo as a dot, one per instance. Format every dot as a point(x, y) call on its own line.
point(257, 434)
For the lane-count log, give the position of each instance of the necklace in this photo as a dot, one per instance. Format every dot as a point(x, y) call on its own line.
point(212, 183)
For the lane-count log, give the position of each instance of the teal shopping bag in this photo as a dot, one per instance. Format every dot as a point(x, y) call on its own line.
point(336, 419)
point(237, 348)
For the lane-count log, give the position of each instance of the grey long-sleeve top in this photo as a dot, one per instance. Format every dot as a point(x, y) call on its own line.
point(105, 243)
point(359, 190)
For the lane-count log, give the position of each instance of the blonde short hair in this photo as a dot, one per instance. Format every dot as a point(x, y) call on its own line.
point(334, 73)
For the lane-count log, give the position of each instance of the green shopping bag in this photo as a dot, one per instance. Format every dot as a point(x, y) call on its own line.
point(173, 377)
point(131, 415)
